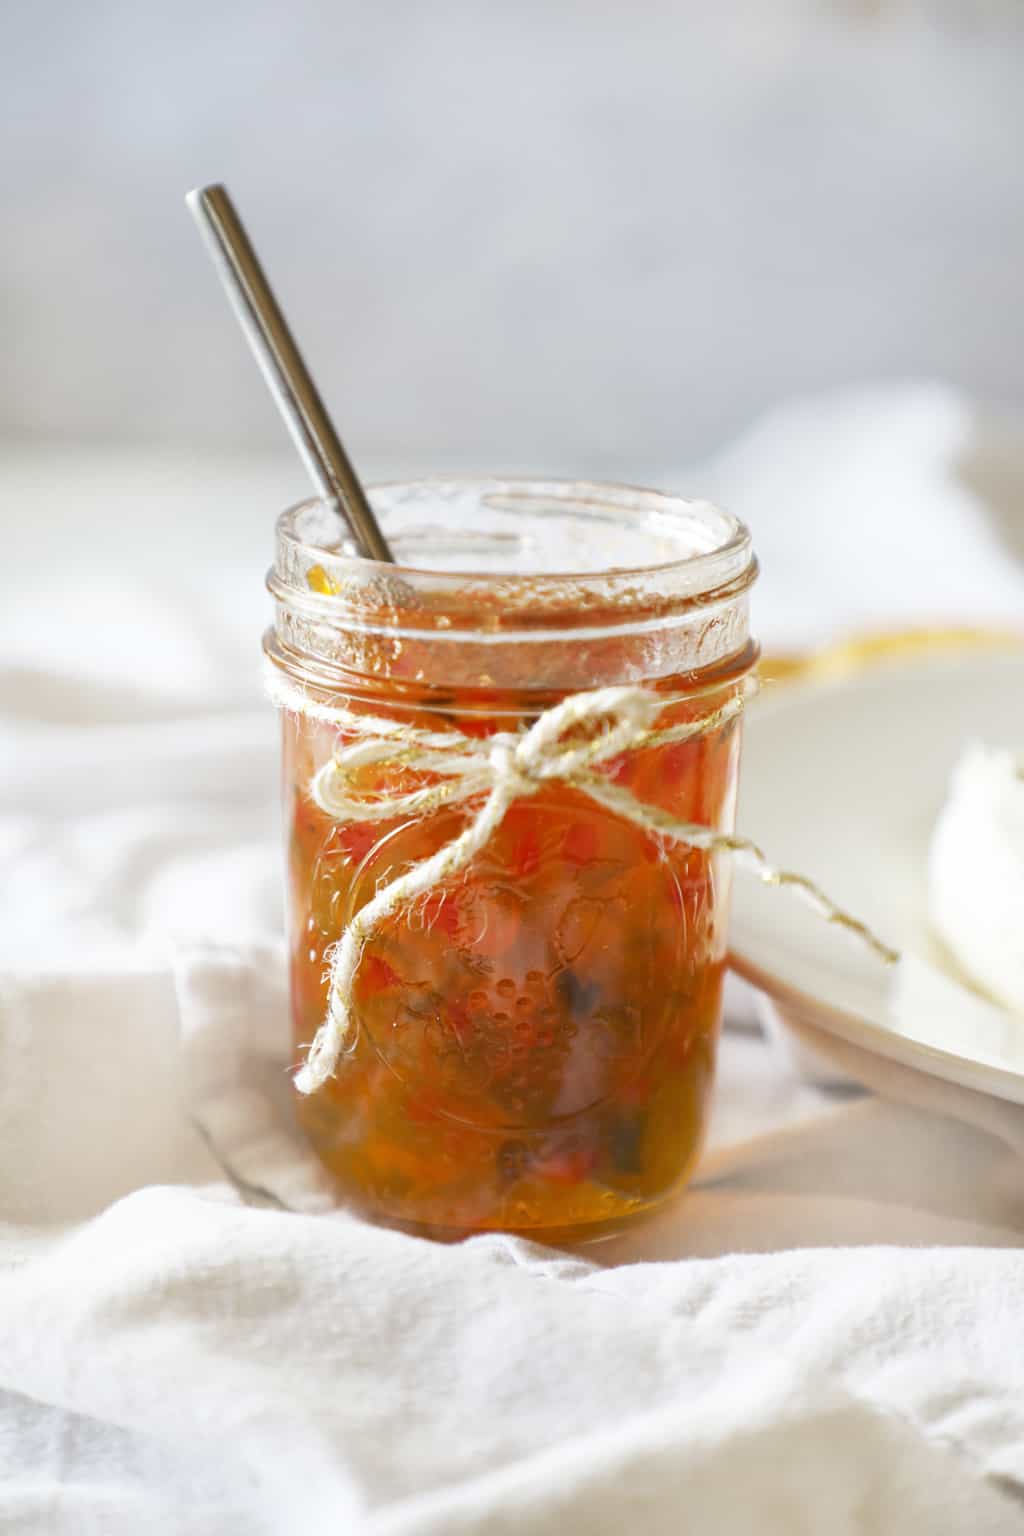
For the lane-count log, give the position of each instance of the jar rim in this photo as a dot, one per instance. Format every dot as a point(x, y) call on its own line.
point(706, 557)
point(625, 498)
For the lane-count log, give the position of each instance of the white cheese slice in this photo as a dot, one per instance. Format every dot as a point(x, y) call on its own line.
point(976, 873)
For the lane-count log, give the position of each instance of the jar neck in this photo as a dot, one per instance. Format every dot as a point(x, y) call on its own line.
point(351, 625)
point(510, 695)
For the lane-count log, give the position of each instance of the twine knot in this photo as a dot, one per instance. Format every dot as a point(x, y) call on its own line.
point(584, 730)
point(506, 769)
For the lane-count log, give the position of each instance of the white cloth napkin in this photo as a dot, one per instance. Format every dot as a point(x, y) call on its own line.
point(193, 1339)
point(822, 1335)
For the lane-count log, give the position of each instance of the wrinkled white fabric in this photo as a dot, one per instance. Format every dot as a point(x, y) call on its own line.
point(822, 1335)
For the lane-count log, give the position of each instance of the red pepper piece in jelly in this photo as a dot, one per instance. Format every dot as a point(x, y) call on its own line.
point(580, 842)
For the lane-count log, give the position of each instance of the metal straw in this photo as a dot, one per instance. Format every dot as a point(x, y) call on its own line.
point(297, 397)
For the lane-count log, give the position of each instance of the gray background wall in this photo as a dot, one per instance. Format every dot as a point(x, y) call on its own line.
point(548, 234)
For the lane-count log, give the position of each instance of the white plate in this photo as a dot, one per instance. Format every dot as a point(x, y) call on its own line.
point(843, 781)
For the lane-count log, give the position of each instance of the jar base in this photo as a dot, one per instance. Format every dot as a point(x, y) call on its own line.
point(570, 1236)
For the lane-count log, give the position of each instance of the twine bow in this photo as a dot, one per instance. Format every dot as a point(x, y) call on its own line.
point(567, 743)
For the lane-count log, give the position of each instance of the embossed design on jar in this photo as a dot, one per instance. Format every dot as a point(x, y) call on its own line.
point(539, 983)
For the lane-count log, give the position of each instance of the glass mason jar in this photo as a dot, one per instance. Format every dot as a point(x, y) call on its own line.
point(533, 1038)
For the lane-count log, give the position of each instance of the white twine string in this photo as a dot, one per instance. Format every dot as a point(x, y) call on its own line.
point(566, 743)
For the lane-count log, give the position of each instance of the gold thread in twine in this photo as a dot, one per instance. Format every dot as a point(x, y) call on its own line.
point(567, 743)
